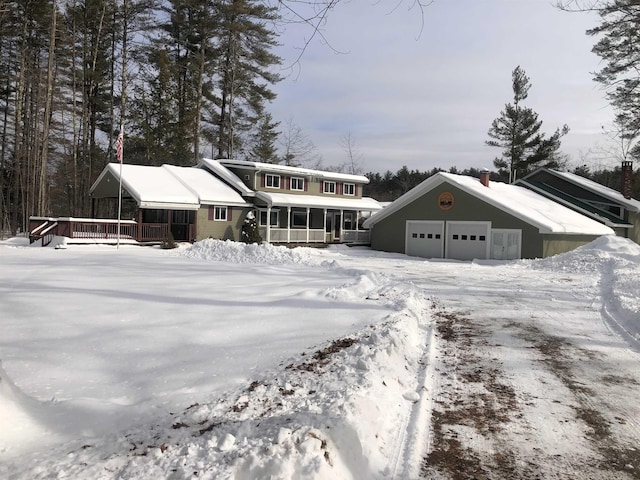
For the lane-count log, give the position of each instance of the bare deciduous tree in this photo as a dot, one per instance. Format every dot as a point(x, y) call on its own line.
point(353, 164)
point(297, 148)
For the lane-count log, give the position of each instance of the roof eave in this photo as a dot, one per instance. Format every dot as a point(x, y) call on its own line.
point(168, 205)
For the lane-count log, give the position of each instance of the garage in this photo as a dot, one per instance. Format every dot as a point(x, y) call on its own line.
point(460, 217)
point(425, 238)
point(468, 240)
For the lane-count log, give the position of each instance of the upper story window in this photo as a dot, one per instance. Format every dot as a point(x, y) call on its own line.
point(272, 181)
point(329, 187)
point(349, 189)
point(297, 183)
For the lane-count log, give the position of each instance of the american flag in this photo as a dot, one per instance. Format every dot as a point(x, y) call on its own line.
point(119, 144)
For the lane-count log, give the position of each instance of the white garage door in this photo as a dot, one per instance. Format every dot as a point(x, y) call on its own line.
point(425, 239)
point(468, 240)
point(506, 244)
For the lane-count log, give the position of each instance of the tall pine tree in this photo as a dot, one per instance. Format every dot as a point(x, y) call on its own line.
point(619, 48)
point(518, 132)
point(244, 72)
point(264, 141)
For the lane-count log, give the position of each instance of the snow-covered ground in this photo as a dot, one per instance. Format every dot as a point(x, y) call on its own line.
point(222, 360)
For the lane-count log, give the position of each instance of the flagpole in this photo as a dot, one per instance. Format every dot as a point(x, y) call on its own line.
point(119, 154)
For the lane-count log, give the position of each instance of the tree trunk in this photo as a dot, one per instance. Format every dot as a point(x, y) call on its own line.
point(42, 191)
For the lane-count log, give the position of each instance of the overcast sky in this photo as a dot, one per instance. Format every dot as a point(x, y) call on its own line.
point(425, 96)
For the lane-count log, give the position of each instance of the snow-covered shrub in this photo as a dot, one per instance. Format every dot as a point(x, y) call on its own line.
point(250, 232)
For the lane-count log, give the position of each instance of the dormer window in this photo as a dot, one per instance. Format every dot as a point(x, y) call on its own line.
point(349, 189)
point(297, 183)
point(328, 187)
point(272, 181)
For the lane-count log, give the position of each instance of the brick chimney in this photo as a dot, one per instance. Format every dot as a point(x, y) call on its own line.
point(484, 177)
point(626, 183)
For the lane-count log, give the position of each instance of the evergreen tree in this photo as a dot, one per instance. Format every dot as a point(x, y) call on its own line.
point(250, 232)
point(518, 132)
point(619, 48)
point(264, 142)
point(244, 70)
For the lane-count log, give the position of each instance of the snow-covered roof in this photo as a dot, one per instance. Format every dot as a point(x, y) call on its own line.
point(171, 187)
point(274, 167)
point(595, 187)
point(319, 201)
point(208, 188)
point(215, 167)
point(530, 207)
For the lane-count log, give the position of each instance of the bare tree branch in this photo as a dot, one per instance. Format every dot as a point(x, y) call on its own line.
point(315, 14)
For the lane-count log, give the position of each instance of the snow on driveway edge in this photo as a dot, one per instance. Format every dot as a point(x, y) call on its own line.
point(337, 411)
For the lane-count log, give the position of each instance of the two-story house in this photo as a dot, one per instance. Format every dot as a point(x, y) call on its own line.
point(211, 200)
point(299, 205)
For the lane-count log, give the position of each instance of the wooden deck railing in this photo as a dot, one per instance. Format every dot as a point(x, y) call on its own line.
point(154, 232)
point(45, 228)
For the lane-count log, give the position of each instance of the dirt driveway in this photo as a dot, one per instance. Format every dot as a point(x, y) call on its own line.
point(515, 401)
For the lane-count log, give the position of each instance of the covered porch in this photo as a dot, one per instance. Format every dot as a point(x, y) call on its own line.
point(288, 218)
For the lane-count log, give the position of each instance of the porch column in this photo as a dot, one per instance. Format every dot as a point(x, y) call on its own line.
point(324, 226)
point(288, 224)
point(194, 233)
point(308, 224)
point(268, 224)
point(340, 226)
point(169, 212)
point(139, 239)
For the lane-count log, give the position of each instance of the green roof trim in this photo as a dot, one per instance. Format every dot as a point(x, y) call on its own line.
point(595, 212)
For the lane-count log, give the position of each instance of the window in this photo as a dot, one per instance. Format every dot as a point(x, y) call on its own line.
point(154, 216)
point(275, 220)
point(297, 183)
point(348, 221)
point(272, 181)
point(349, 189)
point(220, 214)
point(299, 219)
point(329, 187)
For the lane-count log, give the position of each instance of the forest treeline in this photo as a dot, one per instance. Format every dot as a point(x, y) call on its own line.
point(388, 186)
point(193, 78)
point(185, 78)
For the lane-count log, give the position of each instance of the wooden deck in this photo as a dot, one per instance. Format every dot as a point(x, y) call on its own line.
point(98, 230)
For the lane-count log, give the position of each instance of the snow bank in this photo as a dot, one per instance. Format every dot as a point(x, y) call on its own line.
point(266, 253)
point(15, 242)
point(614, 264)
point(335, 411)
point(16, 415)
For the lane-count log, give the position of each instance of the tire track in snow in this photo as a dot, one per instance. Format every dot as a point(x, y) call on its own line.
point(609, 312)
point(413, 439)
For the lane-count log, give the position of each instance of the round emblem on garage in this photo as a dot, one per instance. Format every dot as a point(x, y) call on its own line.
point(446, 201)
